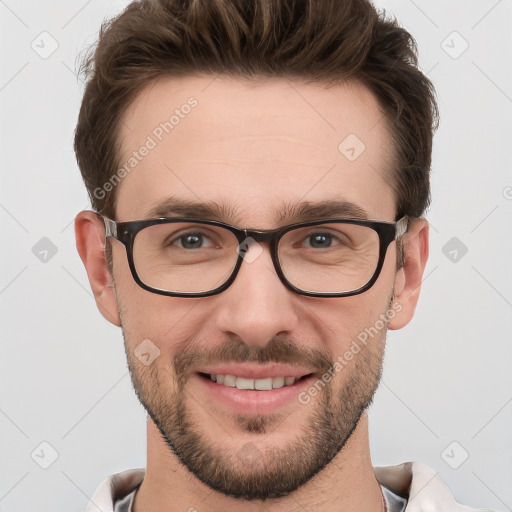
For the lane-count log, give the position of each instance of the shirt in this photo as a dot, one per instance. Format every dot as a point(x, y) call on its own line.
point(407, 487)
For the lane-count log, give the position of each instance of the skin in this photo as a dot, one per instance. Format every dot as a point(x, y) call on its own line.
point(255, 146)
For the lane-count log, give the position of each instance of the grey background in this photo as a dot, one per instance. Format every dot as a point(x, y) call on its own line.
point(64, 377)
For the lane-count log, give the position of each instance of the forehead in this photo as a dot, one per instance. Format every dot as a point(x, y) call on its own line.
point(253, 146)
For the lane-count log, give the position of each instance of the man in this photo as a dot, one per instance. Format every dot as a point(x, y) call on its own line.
point(259, 171)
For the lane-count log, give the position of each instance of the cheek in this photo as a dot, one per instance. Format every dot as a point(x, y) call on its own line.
point(135, 302)
point(343, 321)
point(165, 321)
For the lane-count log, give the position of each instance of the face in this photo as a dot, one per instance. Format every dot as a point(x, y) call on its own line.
point(256, 149)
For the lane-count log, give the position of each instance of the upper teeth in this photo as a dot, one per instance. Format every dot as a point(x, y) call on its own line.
point(259, 384)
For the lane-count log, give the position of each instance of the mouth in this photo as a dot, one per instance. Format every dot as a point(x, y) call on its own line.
point(242, 395)
point(264, 384)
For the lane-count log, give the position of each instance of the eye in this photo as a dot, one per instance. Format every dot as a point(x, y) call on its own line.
point(322, 240)
point(319, 240)
point(192, 240)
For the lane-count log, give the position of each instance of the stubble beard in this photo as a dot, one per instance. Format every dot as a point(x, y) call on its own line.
point(251, 472)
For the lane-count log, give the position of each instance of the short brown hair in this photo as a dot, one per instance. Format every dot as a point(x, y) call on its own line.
point(323, 41)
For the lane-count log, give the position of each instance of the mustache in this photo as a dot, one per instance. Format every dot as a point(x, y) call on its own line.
point(279, 349)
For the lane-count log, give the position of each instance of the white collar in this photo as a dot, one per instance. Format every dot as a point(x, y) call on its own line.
point(425, 490)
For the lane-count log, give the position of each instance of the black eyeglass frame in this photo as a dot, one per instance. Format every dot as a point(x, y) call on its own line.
point(125, 232)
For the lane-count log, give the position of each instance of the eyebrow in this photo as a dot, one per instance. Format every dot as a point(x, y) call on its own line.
point(289, 212)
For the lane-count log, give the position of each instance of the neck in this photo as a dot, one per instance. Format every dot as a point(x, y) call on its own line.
point(347, 483)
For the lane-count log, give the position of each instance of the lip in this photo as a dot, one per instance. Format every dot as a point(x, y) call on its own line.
point(247, 401)
point(256, 371)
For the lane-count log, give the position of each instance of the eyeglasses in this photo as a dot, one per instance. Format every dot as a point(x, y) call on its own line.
point(187, 257)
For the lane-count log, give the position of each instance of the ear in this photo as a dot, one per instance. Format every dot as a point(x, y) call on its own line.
point(408, 278)
point(90, 242)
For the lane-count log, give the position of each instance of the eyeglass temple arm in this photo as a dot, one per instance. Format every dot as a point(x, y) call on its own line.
point(402, 226)
point(110, 227)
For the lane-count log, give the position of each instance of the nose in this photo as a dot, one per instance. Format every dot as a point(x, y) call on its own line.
point(257, 306)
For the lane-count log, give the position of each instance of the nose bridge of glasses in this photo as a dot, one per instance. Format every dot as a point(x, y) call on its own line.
point(261, 236)
point(257, 236)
